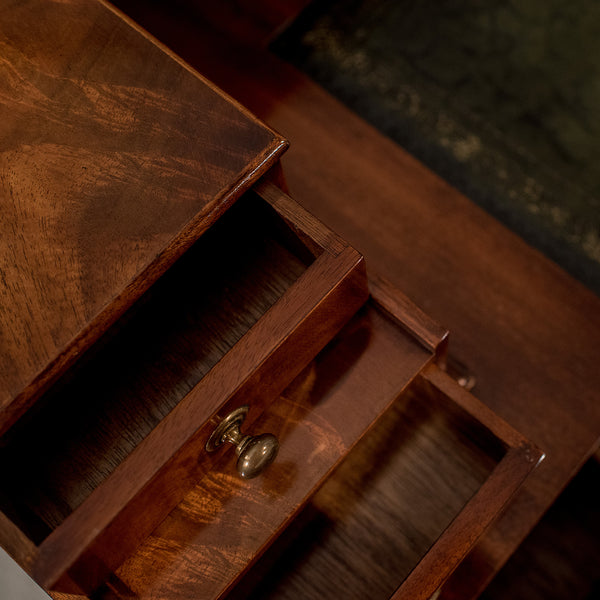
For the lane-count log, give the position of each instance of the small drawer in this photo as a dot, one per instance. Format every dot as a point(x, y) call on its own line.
point(115, 445)
point(423, 469)
point(405, 507)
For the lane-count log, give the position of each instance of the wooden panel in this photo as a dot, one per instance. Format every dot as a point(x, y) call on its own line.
point(561, 557)
point(434, 472)
point(490, 499)
point(155, 476)
point(224, 524)
point(114, 157)
point(528, 332)
point(15, 543)
point(430, 333)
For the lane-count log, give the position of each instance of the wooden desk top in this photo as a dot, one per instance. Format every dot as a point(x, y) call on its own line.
point(114, 158)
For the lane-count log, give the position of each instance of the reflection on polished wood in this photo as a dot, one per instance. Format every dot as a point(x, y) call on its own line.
point(224, 524)
point(106, 176)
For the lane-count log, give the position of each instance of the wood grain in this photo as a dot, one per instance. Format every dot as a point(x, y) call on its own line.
point(306, 227)
point(411, 499)
point(114, 158)
point(487, 503)
point(224, 524)
point(16, 543)
point(189, 321)
point(561, 557)
point(525, 328)
point(412, 496)
point(116, 516)
point(528, 332)
point(427, 331)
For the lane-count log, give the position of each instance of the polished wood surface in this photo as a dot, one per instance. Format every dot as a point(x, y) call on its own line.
point(405, 312)
point(115, 156)
point(493, 496)
point(528, 332)
point(560, 559)
point(411, 499)
point(55, 460)
point(203, 342)
point(225, 523)
point(456, 462)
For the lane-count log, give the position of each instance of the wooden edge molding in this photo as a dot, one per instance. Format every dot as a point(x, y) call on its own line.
point(472, 522)
point(181, 62)
point(409, 316)
point(486, 416)
point(484, 507)
point(303, 222)
point(10, 413)
point(16, 543)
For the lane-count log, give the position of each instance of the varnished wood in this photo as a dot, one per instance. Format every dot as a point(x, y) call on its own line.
point(528, 332)
point(15, 543)
point(189, 321)
point(460, 537)
point(356, 378)
point(484, 507)
point(446, 385)
point(118, 515)
point(154, 477)
point(312, 232)
point(238, 335)
point(277, 177)
point(561, 557)
point(114, 158)
point(430, 333)
point(224, 524)
point(406, 505)
point(382, 239)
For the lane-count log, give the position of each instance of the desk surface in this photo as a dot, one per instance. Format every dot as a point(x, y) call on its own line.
point(527, 331)
point(114, 158)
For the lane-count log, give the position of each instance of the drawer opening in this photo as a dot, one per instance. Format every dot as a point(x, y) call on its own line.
point(115, 396)
point(386, 505)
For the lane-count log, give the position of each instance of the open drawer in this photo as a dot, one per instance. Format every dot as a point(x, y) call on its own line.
point(114, 446)
point(423, 469)
point(405, 507)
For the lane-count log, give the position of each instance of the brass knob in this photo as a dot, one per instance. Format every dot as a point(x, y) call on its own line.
point(255, 453)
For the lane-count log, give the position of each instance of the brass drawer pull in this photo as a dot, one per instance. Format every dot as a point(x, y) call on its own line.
point(255, 453)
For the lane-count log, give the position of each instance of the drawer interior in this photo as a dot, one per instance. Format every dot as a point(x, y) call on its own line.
point(220, 527)
point(423, 468)
point(102, 409)
point(386, 506)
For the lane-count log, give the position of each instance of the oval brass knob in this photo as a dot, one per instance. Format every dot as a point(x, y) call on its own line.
point(255, 453)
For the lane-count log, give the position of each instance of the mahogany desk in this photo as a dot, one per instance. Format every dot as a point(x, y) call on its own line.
point(528, 332)
point(502, 456)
